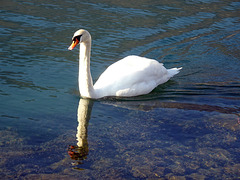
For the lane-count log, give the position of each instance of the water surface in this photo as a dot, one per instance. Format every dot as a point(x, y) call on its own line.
point(187, 128)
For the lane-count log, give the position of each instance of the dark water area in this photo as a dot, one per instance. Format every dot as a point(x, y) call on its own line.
point(187, 128)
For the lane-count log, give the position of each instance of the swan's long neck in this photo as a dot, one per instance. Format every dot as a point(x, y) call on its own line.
point(85, 78)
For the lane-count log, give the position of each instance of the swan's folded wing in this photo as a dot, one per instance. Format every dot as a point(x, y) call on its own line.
point(130, 76)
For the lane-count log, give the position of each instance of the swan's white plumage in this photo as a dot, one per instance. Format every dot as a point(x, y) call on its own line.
point(131, 76)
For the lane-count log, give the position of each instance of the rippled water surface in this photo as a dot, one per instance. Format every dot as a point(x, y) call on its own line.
point(187, 128)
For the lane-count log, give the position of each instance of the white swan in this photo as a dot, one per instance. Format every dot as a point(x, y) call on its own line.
point(130, 76)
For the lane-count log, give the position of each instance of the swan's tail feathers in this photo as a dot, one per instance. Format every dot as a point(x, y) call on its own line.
point(173, 71)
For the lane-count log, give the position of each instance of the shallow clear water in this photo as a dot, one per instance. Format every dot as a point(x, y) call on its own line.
point(187, 128)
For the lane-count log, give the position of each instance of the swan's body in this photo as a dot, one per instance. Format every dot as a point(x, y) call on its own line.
point(130, 76)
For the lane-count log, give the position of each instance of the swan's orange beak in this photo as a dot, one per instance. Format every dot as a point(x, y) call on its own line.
point(74, 43)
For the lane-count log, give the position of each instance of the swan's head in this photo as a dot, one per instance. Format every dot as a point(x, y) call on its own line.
point(80, 36)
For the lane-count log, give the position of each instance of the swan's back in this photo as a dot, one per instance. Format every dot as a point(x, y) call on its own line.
point(131, 76)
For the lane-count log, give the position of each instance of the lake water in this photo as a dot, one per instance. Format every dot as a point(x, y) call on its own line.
point(187, 128)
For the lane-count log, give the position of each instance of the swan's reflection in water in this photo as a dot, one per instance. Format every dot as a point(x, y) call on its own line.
point(80, 151)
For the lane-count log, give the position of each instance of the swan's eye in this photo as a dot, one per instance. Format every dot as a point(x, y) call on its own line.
point(77, 38)
point(75, 41)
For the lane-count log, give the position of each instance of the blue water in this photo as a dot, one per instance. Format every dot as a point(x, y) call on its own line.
point(186, 128)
